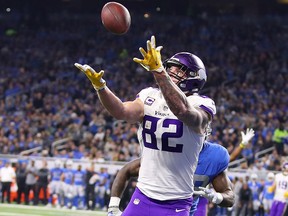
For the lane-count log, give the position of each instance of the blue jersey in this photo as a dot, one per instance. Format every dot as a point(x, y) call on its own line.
point(213, 160)
point(266, 194)
point(56, 174)
point(256, 188)
point(69, 175)
point(104, 177)
point(79, 177)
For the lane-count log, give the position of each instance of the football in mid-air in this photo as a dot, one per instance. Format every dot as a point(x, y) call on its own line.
point(115, 18)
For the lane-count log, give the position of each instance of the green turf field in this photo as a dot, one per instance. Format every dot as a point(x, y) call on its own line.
point(22, 210)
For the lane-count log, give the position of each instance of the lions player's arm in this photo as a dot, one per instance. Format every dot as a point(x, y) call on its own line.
point(179, 105)
point(130, 111)
point(236, 152)
point(131, 169)
point(223, 185)
point(246, 137)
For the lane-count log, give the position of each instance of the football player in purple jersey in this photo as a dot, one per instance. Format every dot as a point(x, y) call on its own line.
point(173, 120)
point(280, 189)
point(212, 163)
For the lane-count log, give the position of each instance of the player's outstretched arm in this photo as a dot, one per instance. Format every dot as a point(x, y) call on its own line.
point(224, 186)
point(131, 169)
point(131, 111)
point(175, 98)
point(246, 137)
point(222, 194)
point(128, 171)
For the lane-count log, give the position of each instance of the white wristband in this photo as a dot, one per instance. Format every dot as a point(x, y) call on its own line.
point(160, 69)
point(217, 199)
point(99, 89)
point(114, 201)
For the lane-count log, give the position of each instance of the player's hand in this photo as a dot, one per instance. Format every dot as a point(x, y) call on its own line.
point(211, 195)
point(270, 189)
point(246, 137)
point(113, 207)
point(95, 77)
point(114, 211)
point(152, 58)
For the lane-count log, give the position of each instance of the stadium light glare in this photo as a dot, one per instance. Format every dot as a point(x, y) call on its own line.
point(146, 15)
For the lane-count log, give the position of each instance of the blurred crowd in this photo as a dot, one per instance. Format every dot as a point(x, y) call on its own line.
point(43, 98)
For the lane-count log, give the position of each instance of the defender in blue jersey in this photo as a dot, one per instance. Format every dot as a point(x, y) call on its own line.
point(101, 187)
point(79, 188)
point(267, 196)
point(67, 187)
point(212, 163)
point(55, 183)
point(256, 187)
point(200, 204)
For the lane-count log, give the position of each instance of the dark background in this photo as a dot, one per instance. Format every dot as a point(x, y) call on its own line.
point(179, 7)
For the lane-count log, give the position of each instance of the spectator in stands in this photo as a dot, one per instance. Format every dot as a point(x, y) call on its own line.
point(79, 152)
point(21, 174)
point(30, 182)
point(42, 183)
point(279, 136)
point(38, 140)
point(7, 176)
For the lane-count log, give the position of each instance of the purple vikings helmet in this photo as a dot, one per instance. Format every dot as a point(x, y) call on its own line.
point(193, 68)
point(285, 168)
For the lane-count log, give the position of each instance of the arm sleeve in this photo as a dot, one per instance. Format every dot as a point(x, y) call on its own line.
point(203, 102)
point(143, 95)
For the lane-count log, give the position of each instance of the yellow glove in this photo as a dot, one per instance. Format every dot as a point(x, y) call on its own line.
point(96, 78)
point(152, 58)
point(286, 195)
point(270, 189)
